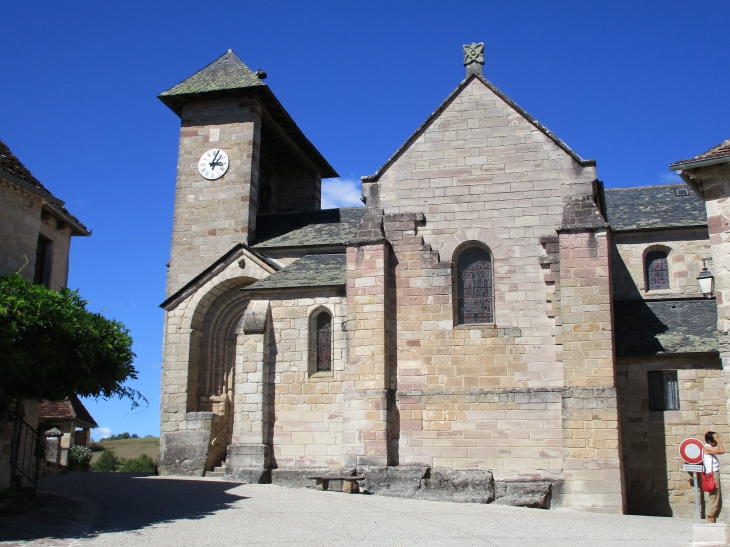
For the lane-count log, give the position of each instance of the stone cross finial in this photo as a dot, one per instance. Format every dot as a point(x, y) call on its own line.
point(474, 58)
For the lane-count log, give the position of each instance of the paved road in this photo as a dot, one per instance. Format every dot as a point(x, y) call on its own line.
point(120, 510)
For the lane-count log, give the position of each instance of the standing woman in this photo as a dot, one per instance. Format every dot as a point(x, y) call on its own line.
point(712, 465)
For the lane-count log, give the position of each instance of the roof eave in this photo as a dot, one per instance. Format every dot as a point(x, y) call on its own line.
point(549, 134)
point(695, 164)
point(251, 288)
point(32, 189)
point(264, 93)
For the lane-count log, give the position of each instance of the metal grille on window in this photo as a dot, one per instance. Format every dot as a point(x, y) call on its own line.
point(657, 270)
point(663, 390)
point(475, 296)
point(324, 342)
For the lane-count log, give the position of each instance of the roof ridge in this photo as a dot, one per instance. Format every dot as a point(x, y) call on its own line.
point(441, 107)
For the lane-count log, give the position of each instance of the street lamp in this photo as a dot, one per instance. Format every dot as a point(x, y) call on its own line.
point(706, 280)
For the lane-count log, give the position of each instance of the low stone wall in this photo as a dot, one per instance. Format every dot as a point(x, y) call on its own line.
point(185, 452)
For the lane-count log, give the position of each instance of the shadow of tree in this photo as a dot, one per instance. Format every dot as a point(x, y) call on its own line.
point(121, 502)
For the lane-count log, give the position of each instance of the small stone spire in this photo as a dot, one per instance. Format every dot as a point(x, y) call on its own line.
point(474, 58)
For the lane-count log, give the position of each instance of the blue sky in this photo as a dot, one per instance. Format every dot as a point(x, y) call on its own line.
point(635, 85)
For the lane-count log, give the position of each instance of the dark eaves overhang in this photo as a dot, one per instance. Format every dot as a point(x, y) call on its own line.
point(549, 134)
point(685, 170)
point(53, 204)
point(275, 109)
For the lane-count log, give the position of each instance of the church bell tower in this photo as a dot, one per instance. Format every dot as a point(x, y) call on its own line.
point(240, 155)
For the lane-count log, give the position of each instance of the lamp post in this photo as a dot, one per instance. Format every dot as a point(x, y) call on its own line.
point(706, 280)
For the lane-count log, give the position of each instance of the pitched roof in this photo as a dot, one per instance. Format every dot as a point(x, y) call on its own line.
point(716, 154)
point(11, 165)
point(325, 270)
point(549, 134)
point(665, 326)
point(653, 207)
point(214, 269)
point(66, 410)
point(307, 229)
point(226, 72)
point(228, 76)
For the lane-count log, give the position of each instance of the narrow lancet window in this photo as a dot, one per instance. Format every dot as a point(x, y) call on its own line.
point(475, 293)
point(323, 343)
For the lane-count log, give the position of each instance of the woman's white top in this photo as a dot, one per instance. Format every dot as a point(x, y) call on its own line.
point(711, 462)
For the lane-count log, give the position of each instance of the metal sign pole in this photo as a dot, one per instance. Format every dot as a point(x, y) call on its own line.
point(697, 497)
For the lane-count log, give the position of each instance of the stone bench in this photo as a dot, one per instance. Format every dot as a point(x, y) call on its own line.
point(350, 484)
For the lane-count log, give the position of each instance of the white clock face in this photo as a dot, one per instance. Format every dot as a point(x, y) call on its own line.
point(213, 164)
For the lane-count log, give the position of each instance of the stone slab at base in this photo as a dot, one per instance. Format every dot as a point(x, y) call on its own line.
point(709, 534)
point(184, 453)
point(301, 477)
point(248, 463)
point(536, 494)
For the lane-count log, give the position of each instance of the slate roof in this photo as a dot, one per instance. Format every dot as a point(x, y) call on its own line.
point(228, 76)
point(325, 270)
point(12, 166)
point(226, 72)
point(653, 207)
point(719, 152)
point(665, 326)
point(324, 227)
point(68, 409)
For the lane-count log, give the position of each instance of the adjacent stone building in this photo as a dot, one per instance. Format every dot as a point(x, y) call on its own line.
point(35, 240)
point(470, 334)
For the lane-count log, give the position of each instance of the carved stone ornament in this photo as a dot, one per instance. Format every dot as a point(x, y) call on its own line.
point(474, 53)
point(254, 318)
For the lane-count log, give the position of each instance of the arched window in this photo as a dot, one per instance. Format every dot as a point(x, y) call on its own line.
point(657, 270)
point(475, 293)
point(320, 341)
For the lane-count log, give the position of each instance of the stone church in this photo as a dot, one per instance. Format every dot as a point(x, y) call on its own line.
point(493, 325)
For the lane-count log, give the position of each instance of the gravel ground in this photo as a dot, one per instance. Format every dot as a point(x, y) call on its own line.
point(119, 509)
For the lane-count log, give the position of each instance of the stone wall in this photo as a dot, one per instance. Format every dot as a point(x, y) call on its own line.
point(686, 249)
point(655, 482)
point(20, 220)
point(212, 216)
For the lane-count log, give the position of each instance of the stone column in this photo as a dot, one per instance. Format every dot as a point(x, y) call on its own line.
point(592, 465)
point(365, 435)
point(249, 453)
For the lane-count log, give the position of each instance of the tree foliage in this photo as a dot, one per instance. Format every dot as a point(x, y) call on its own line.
point(79, 458)
point(107, 462)
point(52, 347)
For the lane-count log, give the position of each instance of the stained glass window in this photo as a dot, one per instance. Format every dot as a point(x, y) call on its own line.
point(657, 270)
point(324, 342)
point(475, 295)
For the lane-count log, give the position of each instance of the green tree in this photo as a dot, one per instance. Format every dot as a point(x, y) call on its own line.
point(107, 462)
point(52, 347)
point(142, 464)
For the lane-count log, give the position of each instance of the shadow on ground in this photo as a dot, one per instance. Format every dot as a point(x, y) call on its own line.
point(114, 502)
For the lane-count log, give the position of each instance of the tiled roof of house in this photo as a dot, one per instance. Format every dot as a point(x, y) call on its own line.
point(66, 410)
point(11, 165)
point(226, 72)
point(653, 207)
point(324, 227)
point(325, 270)
point(665, 326)
point(722, 150)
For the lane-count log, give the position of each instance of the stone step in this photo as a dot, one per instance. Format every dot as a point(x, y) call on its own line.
point(214, 474)
point(220, 469)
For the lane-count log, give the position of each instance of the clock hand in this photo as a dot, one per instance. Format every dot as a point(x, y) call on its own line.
point(212, 163)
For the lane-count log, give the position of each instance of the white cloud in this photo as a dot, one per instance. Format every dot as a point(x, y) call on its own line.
point(100, 432)
point(341, 193)
point(669, 178)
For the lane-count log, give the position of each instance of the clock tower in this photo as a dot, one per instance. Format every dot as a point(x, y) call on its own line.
point(240, 155)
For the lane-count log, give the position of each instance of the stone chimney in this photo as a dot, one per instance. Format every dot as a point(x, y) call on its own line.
point(474, 58)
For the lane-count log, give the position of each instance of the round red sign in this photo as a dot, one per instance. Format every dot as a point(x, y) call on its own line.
point(691, 451)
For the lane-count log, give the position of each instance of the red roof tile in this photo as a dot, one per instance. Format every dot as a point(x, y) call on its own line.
point(722, 150)
point(69, 409)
